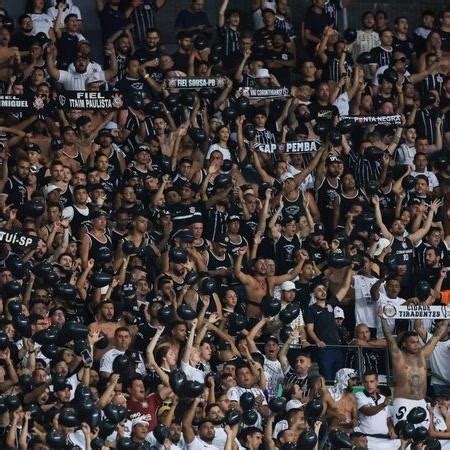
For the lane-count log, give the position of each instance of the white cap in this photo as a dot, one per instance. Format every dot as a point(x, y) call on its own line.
point(293, 404)
point(286, 176)
point(288, 286)
point(50, 188)
point(111, 126)
point(381, 245)
point(139, 420)
point(95, 77)
point(338, 313)
point(262, 73)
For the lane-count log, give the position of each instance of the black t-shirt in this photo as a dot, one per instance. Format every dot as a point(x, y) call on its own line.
point(111, 21)
point(21, 41)
point(406, 46)
point(327, 112)
point(180, 61)
point(282, 74)
point(445, 39)
point(316, 23)
point(325, 326)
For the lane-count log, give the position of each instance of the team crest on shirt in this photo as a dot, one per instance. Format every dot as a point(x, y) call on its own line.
point(38, 103)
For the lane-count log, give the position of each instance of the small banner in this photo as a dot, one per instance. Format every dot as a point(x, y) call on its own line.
point(289, 147)
point(21, 103)
point(261, 93)
point(17, 238)
point(415, 312)
point(393, 119)
point(90, 100)
point(196, 82)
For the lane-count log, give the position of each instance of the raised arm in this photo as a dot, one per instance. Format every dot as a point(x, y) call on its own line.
point(439, 333)
point(190, 343)
point(151, 358)
point(384, 231)
point(391, 341)
point(422, 232)
point(188, 431)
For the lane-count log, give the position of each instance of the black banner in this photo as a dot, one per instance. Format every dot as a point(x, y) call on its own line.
point(196, 82)
point(17, 238)
point(393, 119)
point(290, 147)
point(21, 103)
point(91, 100)
point(261, 93)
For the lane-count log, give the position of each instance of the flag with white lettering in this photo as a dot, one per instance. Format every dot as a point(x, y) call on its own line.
point(91, 100)
point(289, 147)
point(261, 93)
point(393, 119)
point(408, 312)
point(22, 103)
point(196, 82)
point(17, 238)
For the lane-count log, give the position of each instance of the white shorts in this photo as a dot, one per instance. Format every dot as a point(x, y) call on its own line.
point(402, 406)
point(382, 444)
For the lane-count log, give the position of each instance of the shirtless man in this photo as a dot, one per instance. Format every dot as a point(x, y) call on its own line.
point(409, 362)
point(260, 284)
point(343, 412)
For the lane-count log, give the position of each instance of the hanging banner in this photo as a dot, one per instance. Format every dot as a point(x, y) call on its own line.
point(17, 238)
point(21, 103)
point(262, 93)
point(289, 147)
point(196, 82)
point(393, 119)
point(90, 100)
point(415, 312)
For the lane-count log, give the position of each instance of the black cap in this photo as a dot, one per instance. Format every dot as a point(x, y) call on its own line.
point(33, 148)
point(104, 132)
point(224, 241)
point(184, 235)
point(57, 144)
point(318, 229)
point(143, 148)
point(61, 385)
point(99, 213)
point(333, 159)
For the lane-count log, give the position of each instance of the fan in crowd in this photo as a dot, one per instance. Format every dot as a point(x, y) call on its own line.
point(209, 243)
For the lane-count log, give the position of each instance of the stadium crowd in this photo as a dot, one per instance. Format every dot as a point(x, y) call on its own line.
point(209, 246)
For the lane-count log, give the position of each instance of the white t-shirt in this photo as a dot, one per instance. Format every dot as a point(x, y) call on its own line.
point(439, 361)
point(41, 23)
point(275, 375)
point(376, 424)
point(385, 300)
point(107, 360)
point(405, 154)
point(342, 103)
point(380, 71)
point(52, 12)
point(199, 444)
point(192, 373)
point(365, 307)
point(74, 81)
point(432, 179)
point(216, 147)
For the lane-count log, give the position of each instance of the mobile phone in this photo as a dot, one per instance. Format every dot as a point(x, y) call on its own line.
point(86, 357)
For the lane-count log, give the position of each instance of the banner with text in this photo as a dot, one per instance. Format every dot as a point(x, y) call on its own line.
point(90, 100)
point(196, 82)
point(263, 93)
point(289, 147)
point(415, 312)
point(393, 119)
point(22, 103)
point(17, 238)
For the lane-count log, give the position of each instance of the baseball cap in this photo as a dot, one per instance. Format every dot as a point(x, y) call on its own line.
point(95, 77)
point(318, 229)
point(262, 73)
point(287, 286)
point(60, 385)
point(57, 144)
point(338, 313)
point(185, 235)
point(293, 404)
point(286, 176)
point(104, 132)
point(333, 159)
point(50, 188)
point(99, 213)
point(381, 245)
point(222, 240)
point(143, 148)
point(138, 421)
point(33, 148)
point(111, 126)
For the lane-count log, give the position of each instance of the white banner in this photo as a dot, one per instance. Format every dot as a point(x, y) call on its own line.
point(290, 147)
point(416, 312)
